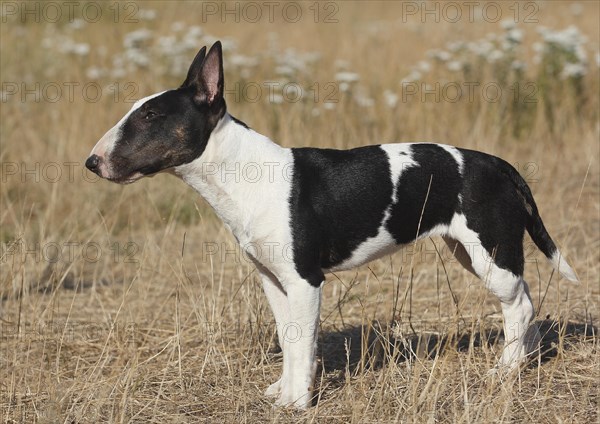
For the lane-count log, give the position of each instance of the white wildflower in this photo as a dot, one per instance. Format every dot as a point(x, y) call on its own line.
point(391, 98)
point(454, 65)
point(508, 24)
point(195, 31)
point(147, 14)
point(239, 60)
point(167, 44)
point(137, 57)
point(567, 39)
point(189, 42)
point(284, 70)
point(135, 39)
point(573, 70)
point(481, 48)
point(580, 54)
point(293, 59)
point(518, 65)
point(515, 35)
point(495, 56)
point(412, 77)
point(423, 66)
point(76, 23)
point(95, 73)
point(443, 56)
point(80, 49)
point(455, 46)
point(177, 26)
point(346, 76)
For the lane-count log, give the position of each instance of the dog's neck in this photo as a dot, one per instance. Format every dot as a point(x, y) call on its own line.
point(226, 172)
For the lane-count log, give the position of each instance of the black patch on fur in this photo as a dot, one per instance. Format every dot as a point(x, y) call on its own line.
point(426, 194)
point(494, 207)
point(242, 123)
point(168, 130)
point(338, 200)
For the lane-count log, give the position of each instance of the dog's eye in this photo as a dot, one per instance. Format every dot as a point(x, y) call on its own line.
point(149, 115)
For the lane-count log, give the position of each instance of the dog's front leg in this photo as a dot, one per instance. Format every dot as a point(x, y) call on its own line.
point(278, 301)
point(300, 343)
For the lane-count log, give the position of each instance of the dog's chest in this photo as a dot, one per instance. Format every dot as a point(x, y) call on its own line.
point(251, 196)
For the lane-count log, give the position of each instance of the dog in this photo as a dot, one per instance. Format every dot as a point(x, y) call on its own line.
point(326, 210)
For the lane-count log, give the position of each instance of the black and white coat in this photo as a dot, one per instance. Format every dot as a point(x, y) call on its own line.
point(321, 210)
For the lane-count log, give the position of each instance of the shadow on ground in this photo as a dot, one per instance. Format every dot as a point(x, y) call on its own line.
point(369, 346)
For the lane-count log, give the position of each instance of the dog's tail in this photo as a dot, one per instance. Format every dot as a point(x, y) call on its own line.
point(537, 230)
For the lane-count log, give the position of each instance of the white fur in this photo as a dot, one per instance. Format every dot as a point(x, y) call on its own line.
point(398, 162)
point(456, 155)
point(245, 204)
point(563, 267)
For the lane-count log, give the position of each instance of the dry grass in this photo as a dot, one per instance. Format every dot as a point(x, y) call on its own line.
point(178, 336)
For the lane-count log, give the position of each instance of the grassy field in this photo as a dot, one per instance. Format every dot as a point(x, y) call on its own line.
point(133, 304)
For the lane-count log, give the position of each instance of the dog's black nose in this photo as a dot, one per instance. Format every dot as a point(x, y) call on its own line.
point(92, 163)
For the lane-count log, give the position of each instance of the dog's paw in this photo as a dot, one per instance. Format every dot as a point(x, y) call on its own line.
point(287, 398)
point(284, 399)
point(274, 389)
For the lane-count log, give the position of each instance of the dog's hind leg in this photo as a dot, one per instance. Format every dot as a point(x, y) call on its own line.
point(521, 335)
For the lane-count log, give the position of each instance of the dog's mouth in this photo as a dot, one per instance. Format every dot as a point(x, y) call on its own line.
point(123, 181)
point(131, 178)
point(127, 179)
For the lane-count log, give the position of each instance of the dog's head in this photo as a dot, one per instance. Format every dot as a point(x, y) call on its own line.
point(167, 129)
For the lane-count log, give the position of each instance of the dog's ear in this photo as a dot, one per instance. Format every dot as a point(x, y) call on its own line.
point(209, 81)
point(194, 68)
